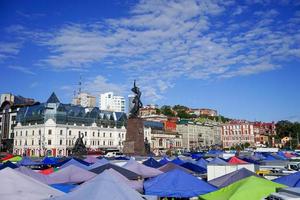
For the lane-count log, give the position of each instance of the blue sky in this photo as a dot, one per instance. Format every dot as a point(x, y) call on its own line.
point(239, 57)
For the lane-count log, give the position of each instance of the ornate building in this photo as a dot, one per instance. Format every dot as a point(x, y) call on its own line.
point(52, 128)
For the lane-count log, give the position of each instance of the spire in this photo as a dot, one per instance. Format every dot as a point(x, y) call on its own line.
point(53, 98)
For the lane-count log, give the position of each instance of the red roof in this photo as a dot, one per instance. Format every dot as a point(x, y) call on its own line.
point(235, 160)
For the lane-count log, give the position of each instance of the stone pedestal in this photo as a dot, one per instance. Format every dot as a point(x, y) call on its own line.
point(134, 143)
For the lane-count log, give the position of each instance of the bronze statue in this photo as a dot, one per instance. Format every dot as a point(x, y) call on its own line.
point(79, 148)
point(134, 112)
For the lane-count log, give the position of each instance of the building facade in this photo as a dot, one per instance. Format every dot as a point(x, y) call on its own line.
point(108, 101)
point(237, 132)
point(197, 136)
point(10, 104)
point(85, 100)
point(52, 128)
point(264, 133)
point(204, 111)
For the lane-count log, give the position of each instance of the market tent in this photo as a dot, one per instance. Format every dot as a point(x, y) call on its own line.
point(134, 184)
point(288, 155)
point(47, 171)
point(125, 172)
point(197, 155)
point(8, 156)
point(14, 159)
point(232, 177)
point(235, 160)
point(66, 160)
point(202, 163)
point(170, 166)
point(49, 161)
point(26, 161)
point(17, 186)
point(143, 170)
point(74, 162)
point(29, 172)
point(252, 187)
point(151, 162)
point(70, 174)
point(292, 180)
point(177, 183)
point(98, 163)
point(269, 157)
point(177, 161)
point(64, 187)
point(9, 165)
point(164, 161)
point(194, 167)
point(218, 161)
point(103, 186)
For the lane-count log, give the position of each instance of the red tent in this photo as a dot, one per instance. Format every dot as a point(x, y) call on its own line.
point(288, 155)
point(47, 171)
point(8, 156)
point(234, 160)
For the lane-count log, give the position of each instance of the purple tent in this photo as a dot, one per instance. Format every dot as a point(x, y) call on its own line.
point(29, 172)
point(143, 170)
point(71, 174)
point(98, 163)
point(75, 163)
point(91, 159)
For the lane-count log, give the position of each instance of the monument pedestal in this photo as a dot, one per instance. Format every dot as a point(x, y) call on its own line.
point(134, 143)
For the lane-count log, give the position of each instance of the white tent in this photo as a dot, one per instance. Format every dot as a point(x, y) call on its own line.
point(70, 174)
point(29, 172)
point(17, 186)
point(141, 169)
point(103, 186)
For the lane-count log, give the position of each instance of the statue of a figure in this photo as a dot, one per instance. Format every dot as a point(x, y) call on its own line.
point(137, 104)
point(79, 147)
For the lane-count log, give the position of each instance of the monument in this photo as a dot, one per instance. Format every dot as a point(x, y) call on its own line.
point(79, 148)
point(135, 143)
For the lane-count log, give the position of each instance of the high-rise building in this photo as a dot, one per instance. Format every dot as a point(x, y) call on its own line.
point(108, 101)
point(85, 100)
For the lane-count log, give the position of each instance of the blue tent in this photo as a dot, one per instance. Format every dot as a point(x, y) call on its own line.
point(202, 163)
point(214, 152)
point(270, 157)
point(66, 187)
point(177, 161)
point(259, 156)
point(8, 164)
point(49, 161)
point(218, 161)
point(197, 156)
point(194, 167)
point(26, 161)
point(73, 159)
point(177, 183)
point(151, 162)
point(163, 161)
point(74, 162)
point(292, 180)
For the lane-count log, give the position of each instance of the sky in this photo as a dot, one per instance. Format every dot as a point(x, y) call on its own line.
point(239, 57)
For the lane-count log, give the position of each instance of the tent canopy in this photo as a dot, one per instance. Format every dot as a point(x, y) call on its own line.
point(177, 161)
point(13, 159)
point(143, 170)
point(232, 177)
point(70, 174)
point(163, 161)
point(235, 160)
point(151, 162)
point(98, 163)
point(254, 187)
point(49, 161)
point(202, 163)
point(177, 183)
point(103, 186)
point(125, 172)
point(292, 180)
point(218, 161)
point(194, 167)
point(29, 172)
point(74, 162)
point(8, 164)
point(17, 186)
point(26, 161)
point(170, 166)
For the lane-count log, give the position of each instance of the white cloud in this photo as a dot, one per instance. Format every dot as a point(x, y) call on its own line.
point(8, 50)
point(23, 70)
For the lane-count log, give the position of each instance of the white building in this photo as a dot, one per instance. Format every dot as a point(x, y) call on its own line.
point(108, 101)
point(85, 100)
point(52, 128)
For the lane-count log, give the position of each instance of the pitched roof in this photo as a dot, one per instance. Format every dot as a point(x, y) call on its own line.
point(143, 170)
point(292, 180)
point(53, 98)
point(236, 160)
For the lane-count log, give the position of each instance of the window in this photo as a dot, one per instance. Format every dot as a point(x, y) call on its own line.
point(49, 142)
point(110, 134)
point(98, 134)
point(119, 135)
point(85, 134)
point(98, 142)
point(16, 142)
point(49, 132)
point(103, 143)
point(93, 134)
point(103, 134)
point(20, 142)
point(13, 118)
point(16, 133)
point(40, 132)
point(60, 142)
point(39, 142)
point(70, 132)
point(32, 132)
point(32, 142)
point(21, 133)
point(25, 142)
point(26, 133)
point(69, 142)
point(61, 132)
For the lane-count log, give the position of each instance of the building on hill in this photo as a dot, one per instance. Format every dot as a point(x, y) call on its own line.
point(85, 100)
point(204, 111)
point(9, 106)
point(197, 136)
point(237, 132)
point(51, 128)
point(264, 133)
